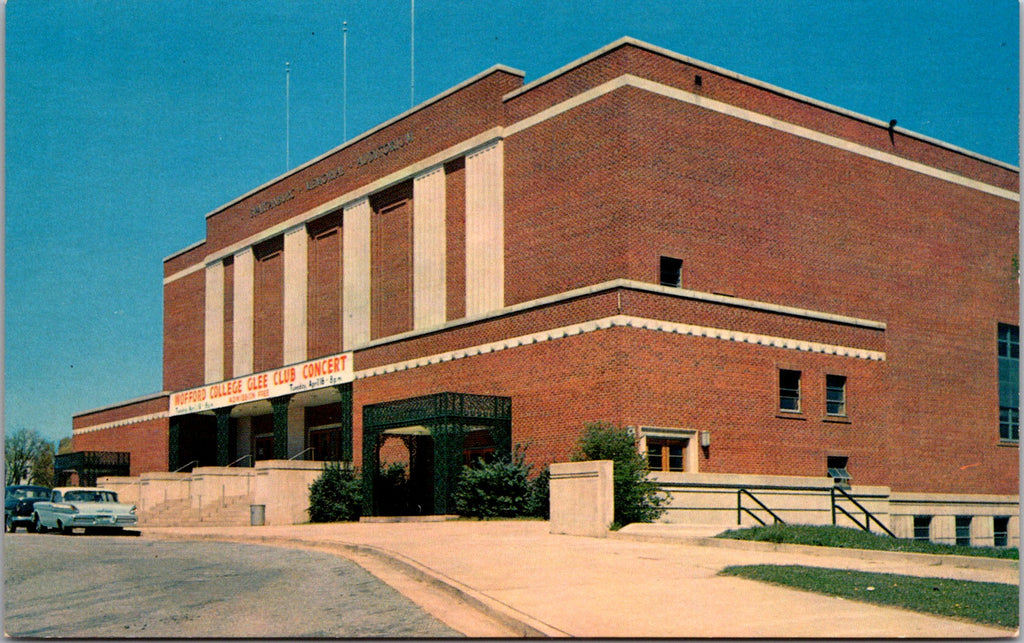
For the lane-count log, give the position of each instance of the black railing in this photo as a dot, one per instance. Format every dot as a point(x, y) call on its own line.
point(868, 516)
point(740, 509)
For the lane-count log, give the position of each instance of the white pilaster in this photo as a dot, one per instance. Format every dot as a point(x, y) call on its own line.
point(296, 244)
point(242, 332)
point(485, 230)
point(356, 274)
point(213, 369)
point(428, 249)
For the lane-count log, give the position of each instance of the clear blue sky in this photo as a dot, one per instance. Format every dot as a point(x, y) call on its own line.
point(129, 120)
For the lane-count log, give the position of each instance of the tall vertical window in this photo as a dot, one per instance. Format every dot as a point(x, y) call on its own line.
point(1009, 383)
point(671, 272)
point(789, 390)
point(963, 531)
point(835, 395)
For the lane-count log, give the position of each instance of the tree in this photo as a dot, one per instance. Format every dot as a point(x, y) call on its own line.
point(637, 498)
point(28, 458)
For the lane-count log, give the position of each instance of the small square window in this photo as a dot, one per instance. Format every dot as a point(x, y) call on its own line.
point(1009, 423)
point(671, 272)
point(835, 395)
point(923, 528)
point(963, 531)
point(1009, 341)
point(789, 391)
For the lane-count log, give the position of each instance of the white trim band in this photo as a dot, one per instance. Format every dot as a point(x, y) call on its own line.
point(119, 423)
point(625, 321)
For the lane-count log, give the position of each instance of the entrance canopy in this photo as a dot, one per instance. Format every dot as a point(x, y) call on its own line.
point(435, 426)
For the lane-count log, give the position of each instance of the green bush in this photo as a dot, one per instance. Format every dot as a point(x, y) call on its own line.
point(498, 489)
point(540, 495)
point(637, 498)
point(336, 495)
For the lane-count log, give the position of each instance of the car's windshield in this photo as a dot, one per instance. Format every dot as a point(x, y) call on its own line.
point(90, 496)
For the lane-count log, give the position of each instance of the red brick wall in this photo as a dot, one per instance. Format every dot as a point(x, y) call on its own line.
point(391, 261)
point(184, 329)
point(566, 201)
point(146, 440)
point(455, 231)
point(268, 307)
point(324, 319)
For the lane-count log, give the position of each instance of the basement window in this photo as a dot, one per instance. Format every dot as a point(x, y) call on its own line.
point(836, 466)
point(671, 272)
point(923, 528)
point(1000, 530)
point(963, 531)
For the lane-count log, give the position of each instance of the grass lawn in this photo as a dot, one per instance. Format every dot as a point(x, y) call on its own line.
point(829, 536)
point(988, 603)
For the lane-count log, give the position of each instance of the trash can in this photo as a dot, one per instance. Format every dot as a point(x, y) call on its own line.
point(257, 515)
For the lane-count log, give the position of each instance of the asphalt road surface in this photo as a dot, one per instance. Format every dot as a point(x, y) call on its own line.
point(113, 587)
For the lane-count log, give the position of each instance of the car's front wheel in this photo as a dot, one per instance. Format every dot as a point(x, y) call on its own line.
point(9, 524)
point(67, 531)
point(40, 527)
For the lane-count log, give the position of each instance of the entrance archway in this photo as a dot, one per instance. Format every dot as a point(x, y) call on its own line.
point(434, 428)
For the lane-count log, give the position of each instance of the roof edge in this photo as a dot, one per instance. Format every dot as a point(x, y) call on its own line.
point(628, 40)
point(430, 101)
point(116, 405)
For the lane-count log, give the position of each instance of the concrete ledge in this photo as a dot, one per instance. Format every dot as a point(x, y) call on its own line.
point(966, 562)
point(390, 519)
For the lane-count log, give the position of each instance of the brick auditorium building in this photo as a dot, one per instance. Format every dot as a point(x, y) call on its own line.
point(766, 288)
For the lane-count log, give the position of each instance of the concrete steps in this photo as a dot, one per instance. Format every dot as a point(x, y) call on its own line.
point(227, 512)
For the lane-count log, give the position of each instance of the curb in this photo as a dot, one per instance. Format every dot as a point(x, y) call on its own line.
point(516, 621)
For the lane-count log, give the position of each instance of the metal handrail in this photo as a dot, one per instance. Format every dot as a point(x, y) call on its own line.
point(300, 453)
point(186, 465)
point(868, 516)
point(740, 509)
point(240, 459)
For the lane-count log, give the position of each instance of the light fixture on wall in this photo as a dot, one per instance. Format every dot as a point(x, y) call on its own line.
point(705, 439)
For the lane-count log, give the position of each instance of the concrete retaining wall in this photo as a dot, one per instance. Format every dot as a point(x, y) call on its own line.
point(582, 500)
point(282, 487)
point(715, 498)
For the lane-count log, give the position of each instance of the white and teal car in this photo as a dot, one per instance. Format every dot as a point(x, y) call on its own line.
point(86, 507)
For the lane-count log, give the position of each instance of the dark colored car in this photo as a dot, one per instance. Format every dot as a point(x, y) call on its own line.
point(19, 503)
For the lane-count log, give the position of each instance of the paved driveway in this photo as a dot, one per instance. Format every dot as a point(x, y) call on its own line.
point(112, 587)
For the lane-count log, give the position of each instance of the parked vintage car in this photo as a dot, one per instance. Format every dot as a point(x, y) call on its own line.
point(19, 501)
point(88, 507)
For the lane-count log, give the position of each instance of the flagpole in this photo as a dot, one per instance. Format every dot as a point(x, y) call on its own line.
point(344, 81)
point(287, 115)
point(412, 54)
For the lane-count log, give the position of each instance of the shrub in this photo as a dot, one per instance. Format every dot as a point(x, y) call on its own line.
point(497, 489)
point(637, 498)
point(336, 495)
point(540, 495)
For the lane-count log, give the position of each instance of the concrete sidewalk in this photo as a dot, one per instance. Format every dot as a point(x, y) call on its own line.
point(514, 578)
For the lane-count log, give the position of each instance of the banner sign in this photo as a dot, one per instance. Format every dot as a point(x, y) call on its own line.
point(318, 373)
